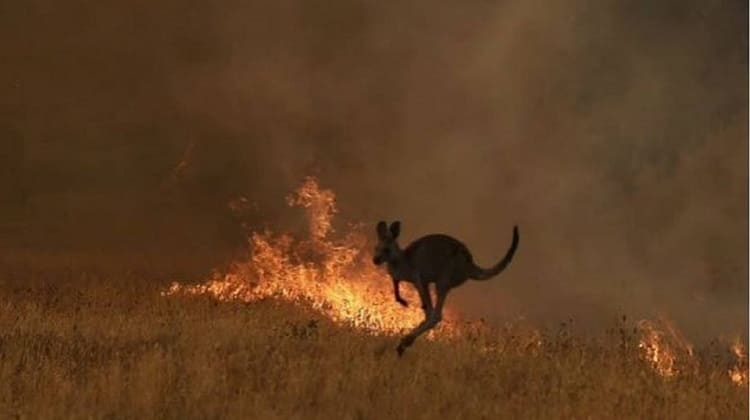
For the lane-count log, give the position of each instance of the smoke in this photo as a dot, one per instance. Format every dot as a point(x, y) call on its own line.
point(614, 134)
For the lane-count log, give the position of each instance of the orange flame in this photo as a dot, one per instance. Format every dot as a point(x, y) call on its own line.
point(663, 346)
point(334, 277)
point(739, 372)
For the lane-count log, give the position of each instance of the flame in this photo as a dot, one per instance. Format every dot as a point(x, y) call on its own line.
point(670, 354)
point(663, 346)
point(334, 277)
point(739, 372)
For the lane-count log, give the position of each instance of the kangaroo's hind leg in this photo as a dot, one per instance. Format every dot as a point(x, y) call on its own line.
point(424, 297)
point(435, 316)
point(437, 313)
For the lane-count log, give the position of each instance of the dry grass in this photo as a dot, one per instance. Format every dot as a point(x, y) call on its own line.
point(88, 343)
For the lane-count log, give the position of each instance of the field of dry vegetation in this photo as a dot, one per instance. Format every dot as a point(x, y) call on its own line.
point(85, 341)
point(137, 138)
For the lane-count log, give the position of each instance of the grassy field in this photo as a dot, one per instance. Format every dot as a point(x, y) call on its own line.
point(88, 342)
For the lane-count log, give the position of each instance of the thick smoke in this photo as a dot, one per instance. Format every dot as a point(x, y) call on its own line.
point(614, 134)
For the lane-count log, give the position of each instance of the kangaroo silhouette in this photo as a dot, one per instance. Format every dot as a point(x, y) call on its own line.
point(436, 258)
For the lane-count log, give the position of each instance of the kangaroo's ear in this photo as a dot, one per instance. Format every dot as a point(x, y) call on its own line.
point(382, 229)
point(395, 229)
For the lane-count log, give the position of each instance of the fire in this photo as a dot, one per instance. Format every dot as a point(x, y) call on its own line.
point(669, 353)
point(333, 276)
point(664, 347)
point(739, 372)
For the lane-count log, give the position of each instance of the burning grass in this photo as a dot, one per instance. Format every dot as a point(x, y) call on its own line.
point(88, 349)
point(306, 328)
point(334, 276)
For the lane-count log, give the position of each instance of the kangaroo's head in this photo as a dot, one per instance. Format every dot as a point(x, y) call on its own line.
point(387, 247)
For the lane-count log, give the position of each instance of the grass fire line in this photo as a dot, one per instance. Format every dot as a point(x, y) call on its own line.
point(306, 328)
point(336, 278)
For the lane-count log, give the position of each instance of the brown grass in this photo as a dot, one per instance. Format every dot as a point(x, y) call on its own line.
point(81, 342)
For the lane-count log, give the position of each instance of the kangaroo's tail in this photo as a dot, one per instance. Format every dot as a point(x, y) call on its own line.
point(480, 273)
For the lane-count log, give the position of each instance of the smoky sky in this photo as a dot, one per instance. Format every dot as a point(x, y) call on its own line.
point(613, 133)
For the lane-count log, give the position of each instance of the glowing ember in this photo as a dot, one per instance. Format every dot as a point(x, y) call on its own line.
point(663, 346)
point(332, 276)
point(739, 372)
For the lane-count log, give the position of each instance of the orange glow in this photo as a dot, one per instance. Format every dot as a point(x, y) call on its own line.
point(663, 347)
point(333, 276)
point(739, 372)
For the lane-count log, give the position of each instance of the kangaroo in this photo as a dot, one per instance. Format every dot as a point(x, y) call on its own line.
point(436, 258)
